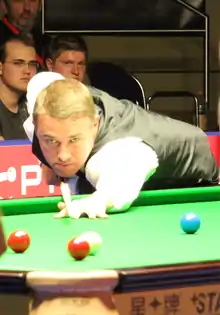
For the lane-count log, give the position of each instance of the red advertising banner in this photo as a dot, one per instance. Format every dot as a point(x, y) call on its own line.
point(214, 142)
point(20, 174)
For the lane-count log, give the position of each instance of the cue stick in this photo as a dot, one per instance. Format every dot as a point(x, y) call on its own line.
point(66, 193)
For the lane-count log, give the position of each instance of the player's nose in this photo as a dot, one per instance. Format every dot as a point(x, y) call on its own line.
point(26, 70)
point(26, 5)
point(75, 70)
point(64, 155)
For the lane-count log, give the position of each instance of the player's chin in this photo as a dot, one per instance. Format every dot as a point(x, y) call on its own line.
point(74, 77)
point(26, 21)
point(65, 171)
point(23, 86)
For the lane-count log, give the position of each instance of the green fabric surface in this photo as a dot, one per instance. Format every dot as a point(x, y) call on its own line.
point(149, 234)
point(154, 197)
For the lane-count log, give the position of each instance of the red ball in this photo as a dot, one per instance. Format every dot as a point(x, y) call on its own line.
point(78, 249)
point(19, 241)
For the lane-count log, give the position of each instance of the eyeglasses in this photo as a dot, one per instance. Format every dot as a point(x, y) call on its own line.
point(33, 64)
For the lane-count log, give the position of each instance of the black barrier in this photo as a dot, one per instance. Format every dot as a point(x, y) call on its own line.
point(176, 94)
point(123, 15)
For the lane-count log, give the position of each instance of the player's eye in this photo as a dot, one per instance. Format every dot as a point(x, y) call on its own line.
point(67, 63)
point(74, 140)
point(82, 63)
point(18, 63)
point(51, 141)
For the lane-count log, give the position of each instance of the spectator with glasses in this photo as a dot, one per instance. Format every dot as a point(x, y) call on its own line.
point(18, 64)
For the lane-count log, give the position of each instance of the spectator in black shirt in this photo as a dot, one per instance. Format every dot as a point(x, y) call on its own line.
point(22, 17)
point(18, 65)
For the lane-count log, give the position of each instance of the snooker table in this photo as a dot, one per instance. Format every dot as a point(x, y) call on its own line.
point(146, 264)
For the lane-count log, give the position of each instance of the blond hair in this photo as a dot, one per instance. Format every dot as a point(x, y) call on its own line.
point(63, 99)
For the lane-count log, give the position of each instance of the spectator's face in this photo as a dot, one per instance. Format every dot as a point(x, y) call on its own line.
point(70, 63)
point(19, 67)
point(23, 13)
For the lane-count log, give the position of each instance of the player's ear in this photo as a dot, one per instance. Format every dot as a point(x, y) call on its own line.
point(96, 120)
point(1, 66)
point(49, 64)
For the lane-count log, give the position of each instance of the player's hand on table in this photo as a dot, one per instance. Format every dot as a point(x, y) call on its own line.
point(93, 207)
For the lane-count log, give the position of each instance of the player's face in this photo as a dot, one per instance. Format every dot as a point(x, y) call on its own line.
point(70, 63)
point(19, 67)
point(66, 143)
point(23, 12)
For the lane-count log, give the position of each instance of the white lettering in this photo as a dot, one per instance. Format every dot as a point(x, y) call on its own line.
point(51, 189)
point(27, 182)
point(10, 175)
point(3, 177)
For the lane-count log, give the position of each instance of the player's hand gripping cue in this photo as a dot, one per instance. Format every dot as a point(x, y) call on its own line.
point(93, 206)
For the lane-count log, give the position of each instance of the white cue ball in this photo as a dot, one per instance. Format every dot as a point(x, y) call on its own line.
point(94, 240)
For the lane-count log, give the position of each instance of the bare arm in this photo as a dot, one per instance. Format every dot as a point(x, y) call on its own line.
point(1, 138)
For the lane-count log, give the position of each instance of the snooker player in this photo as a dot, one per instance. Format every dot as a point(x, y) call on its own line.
point(118, 146)
point(40, 81)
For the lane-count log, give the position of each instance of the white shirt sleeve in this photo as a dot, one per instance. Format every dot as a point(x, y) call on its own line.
point(120, 168)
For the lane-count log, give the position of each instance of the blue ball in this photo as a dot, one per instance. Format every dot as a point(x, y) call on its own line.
point(190, 223)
